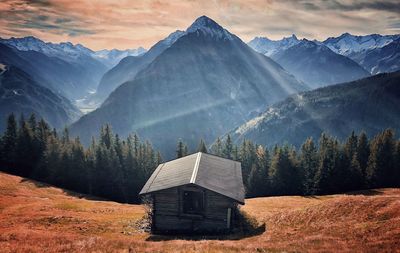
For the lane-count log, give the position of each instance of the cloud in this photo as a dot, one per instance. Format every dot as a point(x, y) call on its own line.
point(127, 24)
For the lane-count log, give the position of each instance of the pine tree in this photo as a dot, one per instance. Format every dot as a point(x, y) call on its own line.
point(216, 149)
point(363, 154)
point(309, 164)
point(202, 147)
point(180, 149)
point(356, 174)
point(9, 144)
point(325, 178)
point(247, 156)
point(25, 146)
point(381, 167)
point(228, 148)
point(106, 136)
point(185, 150)
point(281, 172)
point(258, 182)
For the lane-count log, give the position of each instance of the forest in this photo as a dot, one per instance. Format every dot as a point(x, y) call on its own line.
point(116, 168)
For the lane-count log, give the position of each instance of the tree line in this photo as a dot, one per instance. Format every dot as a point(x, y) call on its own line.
point(110, 167)
point(326, 167)
point(116, 169)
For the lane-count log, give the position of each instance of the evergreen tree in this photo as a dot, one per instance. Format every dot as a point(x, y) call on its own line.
point(25, 146)
point(228, 148)
point(9, 144)
point(325, 178)
point(282, 174)
point(217, 148)
point(202, 147)
point(381, 167)
point(247, 156)
point(363, 154)
point(309, 164)
point(356, 179)
point(258, 182)
point(180, 149)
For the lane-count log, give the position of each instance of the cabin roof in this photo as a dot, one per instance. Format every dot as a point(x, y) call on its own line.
point(211, 172)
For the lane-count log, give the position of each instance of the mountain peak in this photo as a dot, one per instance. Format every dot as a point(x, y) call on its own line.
point(202, 22)
point(209, 27)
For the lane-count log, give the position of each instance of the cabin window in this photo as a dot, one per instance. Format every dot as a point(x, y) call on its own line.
point(193, 202)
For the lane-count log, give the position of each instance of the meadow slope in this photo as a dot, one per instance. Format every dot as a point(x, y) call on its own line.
point(40, 218)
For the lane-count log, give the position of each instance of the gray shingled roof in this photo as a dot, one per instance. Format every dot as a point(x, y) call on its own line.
point(211, 172)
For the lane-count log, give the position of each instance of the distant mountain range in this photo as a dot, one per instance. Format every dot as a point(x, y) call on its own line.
point(20, 94)
point(203, 84)
point(370, 104)
point(335, 60)
point(73, 75)
point(316, 65)
point(70, 52)
point(376, 53)
point(270, 47)
point(348, 44)
point(71, 70)
point(114, 56)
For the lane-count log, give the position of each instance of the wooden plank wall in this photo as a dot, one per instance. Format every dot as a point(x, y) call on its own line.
point(168, 214)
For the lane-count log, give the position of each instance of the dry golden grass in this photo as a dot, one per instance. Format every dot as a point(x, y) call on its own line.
point(36, 218)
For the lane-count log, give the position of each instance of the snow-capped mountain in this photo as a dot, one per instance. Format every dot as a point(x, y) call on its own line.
point(68, 69)
point(65, 50)
point(209, 27)
point(70, 52)
point(346, 44)
point(204, 83)
point(269, 47)
point(375, 53)
point(113, 56)
point(316, 65)
point(381, 60)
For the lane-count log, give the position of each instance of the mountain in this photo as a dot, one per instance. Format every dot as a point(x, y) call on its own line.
point(129, 66)
point(112, 57)
point(370, 104)
point(380, 60)
point(68, 69)
point(347, 44)
point(269, 47)
point(204, 83)
point(375, 53)
point(317, 65)
point(19, 93)
point(62, 77)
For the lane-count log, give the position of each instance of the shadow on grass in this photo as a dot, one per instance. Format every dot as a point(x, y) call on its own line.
point(246, 226)
point(369, 192)
point(68, 192)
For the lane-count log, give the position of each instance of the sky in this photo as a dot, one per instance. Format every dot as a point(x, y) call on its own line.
point(107, 24)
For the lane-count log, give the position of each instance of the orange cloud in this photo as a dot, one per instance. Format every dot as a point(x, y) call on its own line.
point(127, 24)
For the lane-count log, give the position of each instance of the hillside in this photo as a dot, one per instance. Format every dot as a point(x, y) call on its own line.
point(369, 104)
point(21, 94)
point(36, 218)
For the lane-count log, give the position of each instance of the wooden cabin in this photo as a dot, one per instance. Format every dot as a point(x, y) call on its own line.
point(196, 193)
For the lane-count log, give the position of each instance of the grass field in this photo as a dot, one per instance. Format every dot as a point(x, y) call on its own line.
point(38, 218)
